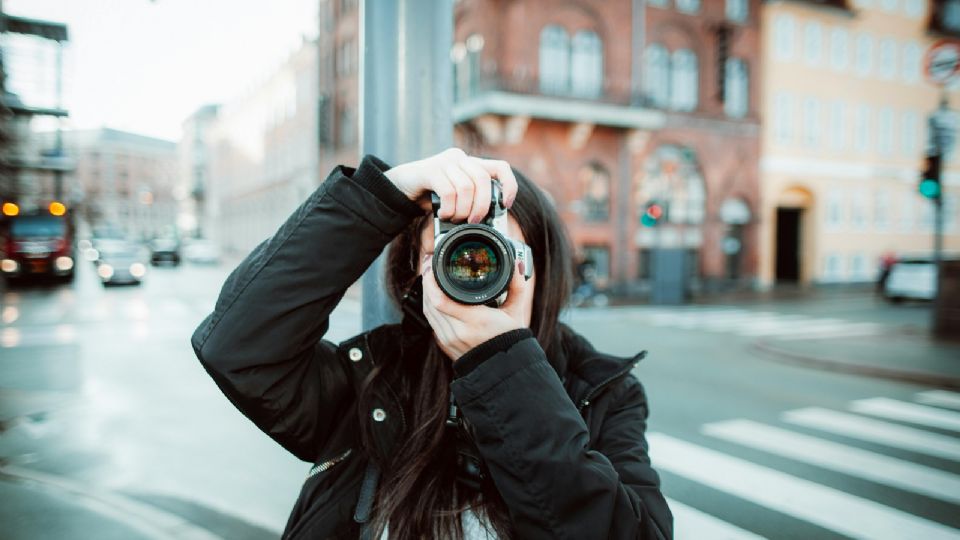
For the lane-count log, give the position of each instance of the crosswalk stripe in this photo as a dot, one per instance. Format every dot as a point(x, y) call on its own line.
point(940, 398)
point(841, 458)
point(876, 431)
point(692, 524)
point(908, 412)
point(820, 505)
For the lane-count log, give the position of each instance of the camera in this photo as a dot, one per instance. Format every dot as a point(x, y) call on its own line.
point(474, 264)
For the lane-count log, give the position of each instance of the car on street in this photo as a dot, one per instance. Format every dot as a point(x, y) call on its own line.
point(912, 278)
point(201, 251)
point(121, 262)
point(165, 250)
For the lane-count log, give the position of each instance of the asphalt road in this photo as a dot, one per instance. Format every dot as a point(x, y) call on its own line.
point(111, 397)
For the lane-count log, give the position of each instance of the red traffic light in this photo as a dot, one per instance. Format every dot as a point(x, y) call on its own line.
point(655, 210)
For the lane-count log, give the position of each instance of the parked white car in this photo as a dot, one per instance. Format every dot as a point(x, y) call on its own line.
point(202, 252)
point(911, 278)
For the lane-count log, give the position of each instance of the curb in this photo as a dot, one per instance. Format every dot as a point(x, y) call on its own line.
point(915, 377)
point(152, 522)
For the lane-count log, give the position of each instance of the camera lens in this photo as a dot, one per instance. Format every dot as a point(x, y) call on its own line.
point(472, 265)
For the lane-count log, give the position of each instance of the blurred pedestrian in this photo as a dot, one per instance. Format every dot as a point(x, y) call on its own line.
point(887, 260)
point(461, 421)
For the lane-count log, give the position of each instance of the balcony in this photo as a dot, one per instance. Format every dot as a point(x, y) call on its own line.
point(496, 94)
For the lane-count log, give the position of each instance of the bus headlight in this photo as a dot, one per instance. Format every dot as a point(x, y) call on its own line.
point(105, 271)
point(137, 270)
point(63, 263)
point(9, 265)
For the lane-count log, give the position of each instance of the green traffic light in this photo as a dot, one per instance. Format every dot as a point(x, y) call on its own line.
point(930, 188)
point(648, 220)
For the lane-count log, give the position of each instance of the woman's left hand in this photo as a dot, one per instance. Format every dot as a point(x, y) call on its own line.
point(459, 327)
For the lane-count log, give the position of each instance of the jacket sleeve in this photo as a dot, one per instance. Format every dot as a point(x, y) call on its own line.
point(262, 343)
point(536, 446)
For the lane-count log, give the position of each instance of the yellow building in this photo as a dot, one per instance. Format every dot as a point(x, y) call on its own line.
point(845, 104)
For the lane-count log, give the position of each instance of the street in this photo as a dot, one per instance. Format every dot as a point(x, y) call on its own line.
point(101, 397)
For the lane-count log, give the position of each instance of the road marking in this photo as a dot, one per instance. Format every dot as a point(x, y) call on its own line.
point(812, 326)
point(908, 412)
point(827, 507)
point(845, 330)
point(940, 398)
point(840, 458)
point(876, 431)
point(690, 523)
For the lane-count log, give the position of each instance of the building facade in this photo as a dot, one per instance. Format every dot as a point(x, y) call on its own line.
point(338, 50)
point(125, 181)
point(263, 153)
point(845, 106)
point(197, 212)
point(613, 106)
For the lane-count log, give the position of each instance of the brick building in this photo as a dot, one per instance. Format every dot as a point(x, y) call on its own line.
point(608, 105)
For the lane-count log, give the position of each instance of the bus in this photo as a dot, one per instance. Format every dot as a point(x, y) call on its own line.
point(37, 243)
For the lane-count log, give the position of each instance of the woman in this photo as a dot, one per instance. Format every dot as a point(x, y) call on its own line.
point(461, 422)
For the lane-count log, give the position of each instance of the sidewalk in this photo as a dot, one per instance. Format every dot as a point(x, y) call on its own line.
point(900, 356)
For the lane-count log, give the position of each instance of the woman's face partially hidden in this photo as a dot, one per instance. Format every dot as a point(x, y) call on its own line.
point(513, 229)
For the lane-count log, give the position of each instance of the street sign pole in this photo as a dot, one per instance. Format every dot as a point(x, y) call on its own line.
point(406, 98)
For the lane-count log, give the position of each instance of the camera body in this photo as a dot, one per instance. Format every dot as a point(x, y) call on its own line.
point(474, 264)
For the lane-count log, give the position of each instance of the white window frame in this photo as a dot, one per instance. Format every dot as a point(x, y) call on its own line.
point(887, 59)
point(784, 37)
point(834, 217)
point(688, 6)
point(684, 80)
point(838, 125)
point(657, 75)
point(813, 43)
point(885, 138)
point(863, 55)
point(910, 67)
point(554, 60)
point(737, 11)
point(736, 101)
point(783, 114)
point(839, 48)
point(810, 116)
point(910, 133)
point(586, 64)
point(861, 126)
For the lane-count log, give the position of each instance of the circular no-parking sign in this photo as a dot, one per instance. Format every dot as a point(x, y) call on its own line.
point(942, 61)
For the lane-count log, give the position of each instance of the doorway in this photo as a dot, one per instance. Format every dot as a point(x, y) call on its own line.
point(788, 245)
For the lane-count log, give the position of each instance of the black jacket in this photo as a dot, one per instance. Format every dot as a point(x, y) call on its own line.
point(562, 438)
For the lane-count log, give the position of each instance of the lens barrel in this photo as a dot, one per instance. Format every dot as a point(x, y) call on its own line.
point(473, 264)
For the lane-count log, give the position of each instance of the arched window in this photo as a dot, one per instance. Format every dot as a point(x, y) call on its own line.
point(554, 60)
point(586, 64)
point(684, 80)
point(595, 182)
point(736, 92)
point(657, 80)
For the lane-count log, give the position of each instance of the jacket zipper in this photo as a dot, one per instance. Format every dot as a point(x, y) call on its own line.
point(329, 464)
point(606, 382)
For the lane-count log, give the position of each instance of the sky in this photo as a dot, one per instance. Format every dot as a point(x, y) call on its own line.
point(145, 65)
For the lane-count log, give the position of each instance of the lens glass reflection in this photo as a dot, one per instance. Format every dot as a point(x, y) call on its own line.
point(472, 265)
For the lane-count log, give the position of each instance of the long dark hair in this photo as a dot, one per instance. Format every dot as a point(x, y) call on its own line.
point(419, 496)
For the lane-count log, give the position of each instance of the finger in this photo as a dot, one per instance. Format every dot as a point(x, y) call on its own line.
point(501, 170)
point(516, 290)
point(481, 179)
point(465, 188)
point(448, 197)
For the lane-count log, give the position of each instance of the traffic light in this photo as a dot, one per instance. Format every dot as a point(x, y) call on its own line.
point(930, 177)
point(652, 214)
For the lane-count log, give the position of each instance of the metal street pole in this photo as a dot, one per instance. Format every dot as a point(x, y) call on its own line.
point(406, 97)
point(942, 123)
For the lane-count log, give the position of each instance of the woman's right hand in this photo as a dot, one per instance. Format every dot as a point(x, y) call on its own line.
point(462, 182)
